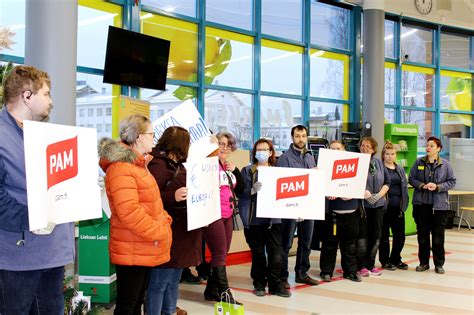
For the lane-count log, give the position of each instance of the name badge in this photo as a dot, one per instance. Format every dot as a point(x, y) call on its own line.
point(421, 167)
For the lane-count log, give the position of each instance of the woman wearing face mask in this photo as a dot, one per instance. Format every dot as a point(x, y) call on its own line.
point(432, 177)
point(262, 234)
point(341, 227)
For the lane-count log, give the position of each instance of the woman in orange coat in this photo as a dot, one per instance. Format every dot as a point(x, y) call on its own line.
point(140, 228)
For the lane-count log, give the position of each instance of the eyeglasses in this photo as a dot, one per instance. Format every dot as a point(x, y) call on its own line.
point(224, 145)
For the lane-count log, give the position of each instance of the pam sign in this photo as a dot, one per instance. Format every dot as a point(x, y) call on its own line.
point(291, 193)
point(346, 172)
point(61, 174)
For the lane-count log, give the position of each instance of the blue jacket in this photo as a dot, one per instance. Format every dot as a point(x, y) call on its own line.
point(441, 173)
point(378, 176)
point(248, 202)
point(20, 249)
point(297, 159)
point(404, 187)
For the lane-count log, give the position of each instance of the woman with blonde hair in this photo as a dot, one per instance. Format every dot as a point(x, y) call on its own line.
point(140, 228)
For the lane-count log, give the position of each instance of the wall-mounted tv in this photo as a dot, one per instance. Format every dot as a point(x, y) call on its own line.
point(136, 59)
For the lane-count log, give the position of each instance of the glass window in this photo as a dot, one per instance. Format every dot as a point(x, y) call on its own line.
point(454, 126)
point(99, 128)
point(281, 67)
point(184, 7)
point(277, 116)
point(329, 25)
point(108, 111)
point(389, 116)
point(389, 39)
point(230, 112)
point(237, 13)
point(108, 128)
point(228, 58)
point(92, 95)
point(99, 112)
point(162, 102)
point(182, 62)
point(454, 51)
point(12, 16)
point(326, 119)
point(282, 18)
point(425, 122)
point(417, 86)
point(329, 75)
point(456, 91)
point(417, 44)
point(389, 83)
point(94, 18)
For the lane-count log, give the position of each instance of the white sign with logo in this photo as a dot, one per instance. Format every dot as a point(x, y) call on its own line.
point(187, 116)
point(346, 172)
point(61, 174)
point(291, 193)
point(203, 202)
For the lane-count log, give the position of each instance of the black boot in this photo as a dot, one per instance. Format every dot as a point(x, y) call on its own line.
point(203, 270)
point(211, 293)
point(188, 277)
point(220, 275)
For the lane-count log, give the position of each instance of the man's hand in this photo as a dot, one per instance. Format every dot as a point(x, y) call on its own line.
point(45, 231)
point(181, 194)
point(256, 188)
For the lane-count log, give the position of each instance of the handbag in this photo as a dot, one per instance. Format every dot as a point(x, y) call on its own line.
point(237, 223)
point(224, 307)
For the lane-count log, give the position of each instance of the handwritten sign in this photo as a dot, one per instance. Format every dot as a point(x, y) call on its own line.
point(187, 116)
point(300, 195)
point(61, 174)
point(346, 172)
point(202, 181)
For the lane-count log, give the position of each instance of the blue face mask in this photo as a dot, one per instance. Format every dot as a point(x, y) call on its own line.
point(262, 156)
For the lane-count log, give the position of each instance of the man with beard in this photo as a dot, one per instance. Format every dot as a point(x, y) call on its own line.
point(297, 156)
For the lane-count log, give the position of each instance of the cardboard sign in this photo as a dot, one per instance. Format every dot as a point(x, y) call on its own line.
point(61, 174)
point(298, 196)
point(187, 116)
point(346, 172)
point(203, 202)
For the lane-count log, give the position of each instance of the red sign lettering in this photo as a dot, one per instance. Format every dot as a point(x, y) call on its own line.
point(345, 168)
point(294, 186)
point(61, 161)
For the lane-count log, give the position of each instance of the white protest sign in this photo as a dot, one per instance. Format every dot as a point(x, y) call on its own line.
point(291, 193)
point(61, 174)
point(187, 116)
point(203, 202)
point(346, 172)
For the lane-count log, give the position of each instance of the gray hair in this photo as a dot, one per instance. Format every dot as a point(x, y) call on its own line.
point(132, 126)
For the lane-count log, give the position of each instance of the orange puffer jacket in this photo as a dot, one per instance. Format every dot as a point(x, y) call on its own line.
point(140, 228)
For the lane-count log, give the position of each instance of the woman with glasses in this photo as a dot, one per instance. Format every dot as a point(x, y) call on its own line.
point(263, 235)
point(140, 228)
point(431, 177)
point(218, 235)
point(377, 185)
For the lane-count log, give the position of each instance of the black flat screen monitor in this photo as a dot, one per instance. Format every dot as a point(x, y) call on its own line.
point(135, 59)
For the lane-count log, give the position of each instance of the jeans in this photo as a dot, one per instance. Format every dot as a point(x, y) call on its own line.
point(393, 219)
point(430, 221)
point(305, 235)
point(265, 245)
point(162, 293)
point(218, 236)
point(347, 230)
point(369, 237)
point(32, 292)
point(132, 282)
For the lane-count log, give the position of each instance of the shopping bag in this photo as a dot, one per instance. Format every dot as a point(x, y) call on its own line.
point(224, 307)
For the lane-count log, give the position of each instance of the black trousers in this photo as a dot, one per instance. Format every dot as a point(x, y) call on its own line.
point(370, 232)
point(393, 219)
point(347, 230)
point(132, 282)
point(430, 221)
point(266, 248)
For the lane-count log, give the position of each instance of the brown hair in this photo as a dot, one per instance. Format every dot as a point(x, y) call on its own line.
point(339, 142)
point(272, 158)
point(21, 79)
point(388, 145)
point(373, 143)
point(175, 140)
point(131, 127)
point(298, 128)
point(435, 140)
point(230, 139)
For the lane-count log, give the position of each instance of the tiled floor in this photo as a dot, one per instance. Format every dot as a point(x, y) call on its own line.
point(395, 292)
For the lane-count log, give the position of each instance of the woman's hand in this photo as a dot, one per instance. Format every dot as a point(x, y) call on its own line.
point(431, 186)
point(229, 166)
point(181, 194)
point(367, 194)
point(331, 198)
